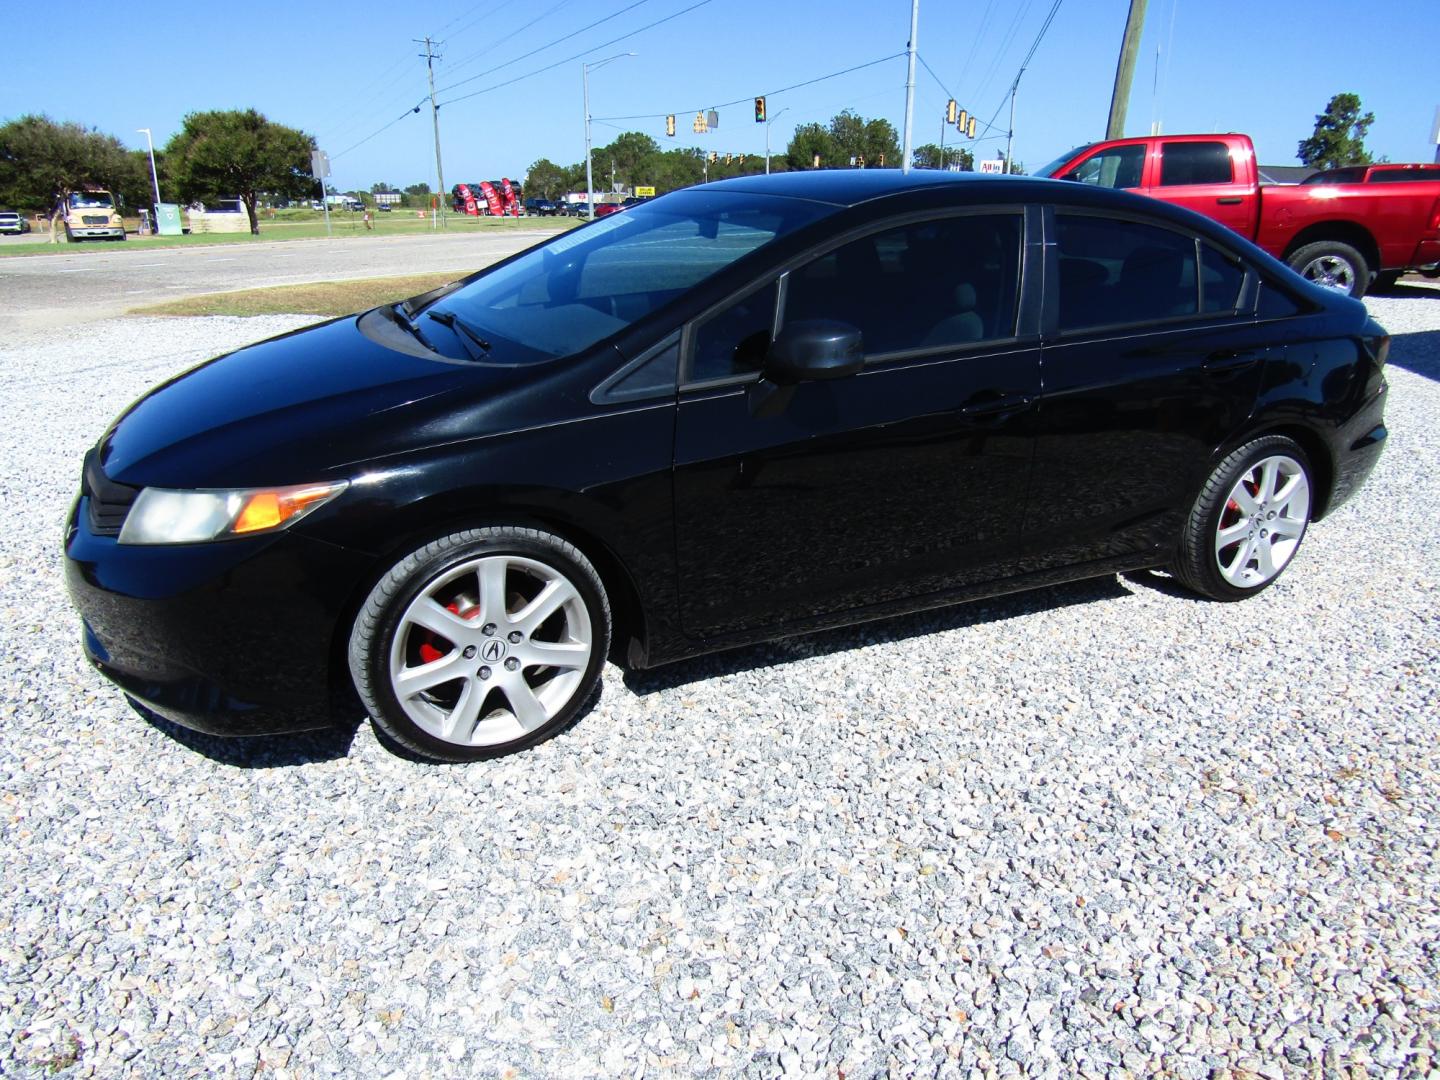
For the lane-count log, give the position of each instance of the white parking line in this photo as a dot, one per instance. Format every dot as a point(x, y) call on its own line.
point(78, 270)
point(219, 260)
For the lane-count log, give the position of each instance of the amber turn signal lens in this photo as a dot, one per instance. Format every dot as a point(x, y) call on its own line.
point(267, 509)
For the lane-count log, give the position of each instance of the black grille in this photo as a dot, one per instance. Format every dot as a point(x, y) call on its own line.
point(95, 219)
point(109, 502)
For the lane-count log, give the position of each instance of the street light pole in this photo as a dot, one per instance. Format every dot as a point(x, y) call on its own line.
point(154, 176)
point(589, 172)
point(767, 137)
point(910, 87)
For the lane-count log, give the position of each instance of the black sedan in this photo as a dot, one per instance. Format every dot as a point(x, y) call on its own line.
point(741, 411)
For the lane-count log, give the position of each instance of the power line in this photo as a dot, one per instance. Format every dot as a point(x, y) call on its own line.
point(1002, 49)
point(975, 40)
point(577, 56)
point(942, 86)
point(768, 93)
point(542, 48)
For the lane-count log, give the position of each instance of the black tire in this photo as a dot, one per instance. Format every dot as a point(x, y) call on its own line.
point(1385, 281)
point(382, 617)
point(1332, 252)
point(1197, 562)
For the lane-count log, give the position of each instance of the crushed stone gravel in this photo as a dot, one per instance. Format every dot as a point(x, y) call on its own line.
point(1104, 830)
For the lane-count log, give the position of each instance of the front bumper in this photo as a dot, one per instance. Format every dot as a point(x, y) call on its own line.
point(90, 232)
point(230, 638)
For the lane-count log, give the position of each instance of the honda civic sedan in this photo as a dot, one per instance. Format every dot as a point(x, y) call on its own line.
point(737, 412)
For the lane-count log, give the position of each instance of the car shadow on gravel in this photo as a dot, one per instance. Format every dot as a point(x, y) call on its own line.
point(881, 632)
point(1419, 353)
point(261, 751)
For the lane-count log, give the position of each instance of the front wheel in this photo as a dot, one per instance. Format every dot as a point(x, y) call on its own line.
point(1332, 265)
point(481, 643)
point(1248, 520)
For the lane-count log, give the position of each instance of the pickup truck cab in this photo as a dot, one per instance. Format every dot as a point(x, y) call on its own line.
point(1346, 235)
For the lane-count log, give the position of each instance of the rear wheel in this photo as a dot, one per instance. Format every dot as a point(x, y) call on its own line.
point(1248, 520)
point(481, 643)
point(1332, 265)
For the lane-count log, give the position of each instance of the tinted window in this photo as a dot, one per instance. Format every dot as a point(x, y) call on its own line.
point(1221, 277)
point(1118, 167)
point(949, 281)
point(1274, 303)
point(1195, 163)
point(734, 341)
point(579, 288)
point(1122, 272)
point(1402, 176)
point(1336, 176)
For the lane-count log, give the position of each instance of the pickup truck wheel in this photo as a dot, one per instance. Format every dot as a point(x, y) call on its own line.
point(1332, 265)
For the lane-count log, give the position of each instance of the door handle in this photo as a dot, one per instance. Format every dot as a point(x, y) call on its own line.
point(1230, 200)
point(992, 402)
point(1221, 363)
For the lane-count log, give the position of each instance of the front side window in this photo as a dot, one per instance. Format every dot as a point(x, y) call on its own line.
point(580, 288)
point(1184, 163)
point(1118, 167)
point(734, 341)
point(1116, 272)
point(949, 281)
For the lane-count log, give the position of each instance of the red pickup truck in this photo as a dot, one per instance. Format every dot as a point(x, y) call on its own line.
point(1348, 236)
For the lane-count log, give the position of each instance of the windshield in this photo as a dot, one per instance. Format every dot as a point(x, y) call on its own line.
point(594, 281)
point(1068, 156)
point(86, 200)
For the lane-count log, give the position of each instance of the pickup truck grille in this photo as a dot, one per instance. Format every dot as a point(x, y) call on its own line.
point(95, 219)
point(109, 502)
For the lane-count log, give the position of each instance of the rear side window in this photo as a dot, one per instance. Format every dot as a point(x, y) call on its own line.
point(1221, 278)
point(1195, 163)
point(1118, 167)
point(948, 281)
point(1116, 272)
point(1404, 176)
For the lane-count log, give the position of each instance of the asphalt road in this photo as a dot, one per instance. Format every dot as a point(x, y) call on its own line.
point(99, 281)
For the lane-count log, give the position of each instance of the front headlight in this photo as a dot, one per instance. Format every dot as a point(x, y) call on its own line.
point(160, 516)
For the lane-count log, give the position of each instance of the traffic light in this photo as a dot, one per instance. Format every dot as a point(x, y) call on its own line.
point(960, 123)
point(714, 156)
point(729, 159)
point(815, 164)
point(759, 110)
point(742, 159)
point(882, 160)
point(670, 125)
point(699, 125)
point(950, 112)
point(970, 129)
point(860, 161)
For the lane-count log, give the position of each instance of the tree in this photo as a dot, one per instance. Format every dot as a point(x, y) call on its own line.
point(376, 189)
point(42, 161)
point(873, 140)
point(1339, 137)
point(809, 143)
point(632, 154)
point(545, 180)
point(929, 156)
point(217, 154)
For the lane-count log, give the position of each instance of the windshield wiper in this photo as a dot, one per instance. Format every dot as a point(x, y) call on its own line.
point(467, 334)
point(397, 314)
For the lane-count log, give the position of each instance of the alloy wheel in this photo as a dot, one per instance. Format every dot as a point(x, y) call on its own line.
point(1262, 522)
point(1330, 271)
point(490, 650)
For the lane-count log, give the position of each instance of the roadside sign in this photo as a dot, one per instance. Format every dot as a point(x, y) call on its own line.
point(319, 164)
point(995, 166)
point(644, 192)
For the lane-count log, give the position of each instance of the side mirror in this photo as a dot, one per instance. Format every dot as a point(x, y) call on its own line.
point(812, 349)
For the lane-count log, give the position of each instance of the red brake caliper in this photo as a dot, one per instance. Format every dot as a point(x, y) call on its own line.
point(428, 650)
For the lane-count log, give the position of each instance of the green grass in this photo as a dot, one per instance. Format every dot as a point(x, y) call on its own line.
point(319, 298)
point(290, 225)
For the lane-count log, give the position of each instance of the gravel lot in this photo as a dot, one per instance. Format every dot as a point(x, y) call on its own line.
point(1104, 829)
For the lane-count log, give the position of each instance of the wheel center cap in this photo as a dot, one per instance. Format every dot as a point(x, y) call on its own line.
point(492, 650)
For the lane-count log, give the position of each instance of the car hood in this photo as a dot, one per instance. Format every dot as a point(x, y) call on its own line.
point(303, 407)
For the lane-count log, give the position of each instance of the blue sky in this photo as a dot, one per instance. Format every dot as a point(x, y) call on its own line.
point(1264, 67)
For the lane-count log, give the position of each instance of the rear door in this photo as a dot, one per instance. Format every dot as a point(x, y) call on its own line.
point(906, 479)
point(1204, 176)
point(1151, 361)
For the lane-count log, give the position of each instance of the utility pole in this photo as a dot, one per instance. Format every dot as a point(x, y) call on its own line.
point(589, 171)
point(430, 59)
point(1010, 135)
point(767, 138)
point(910, 87)
point(1125, 70)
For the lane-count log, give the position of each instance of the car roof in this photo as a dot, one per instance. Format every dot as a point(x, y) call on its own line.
point(850, 187)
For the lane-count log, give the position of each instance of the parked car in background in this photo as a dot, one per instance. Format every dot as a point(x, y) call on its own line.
point(12, 222)
point(605, 209)
point(751, 409)
point(1347, 234)
point(541, 207)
